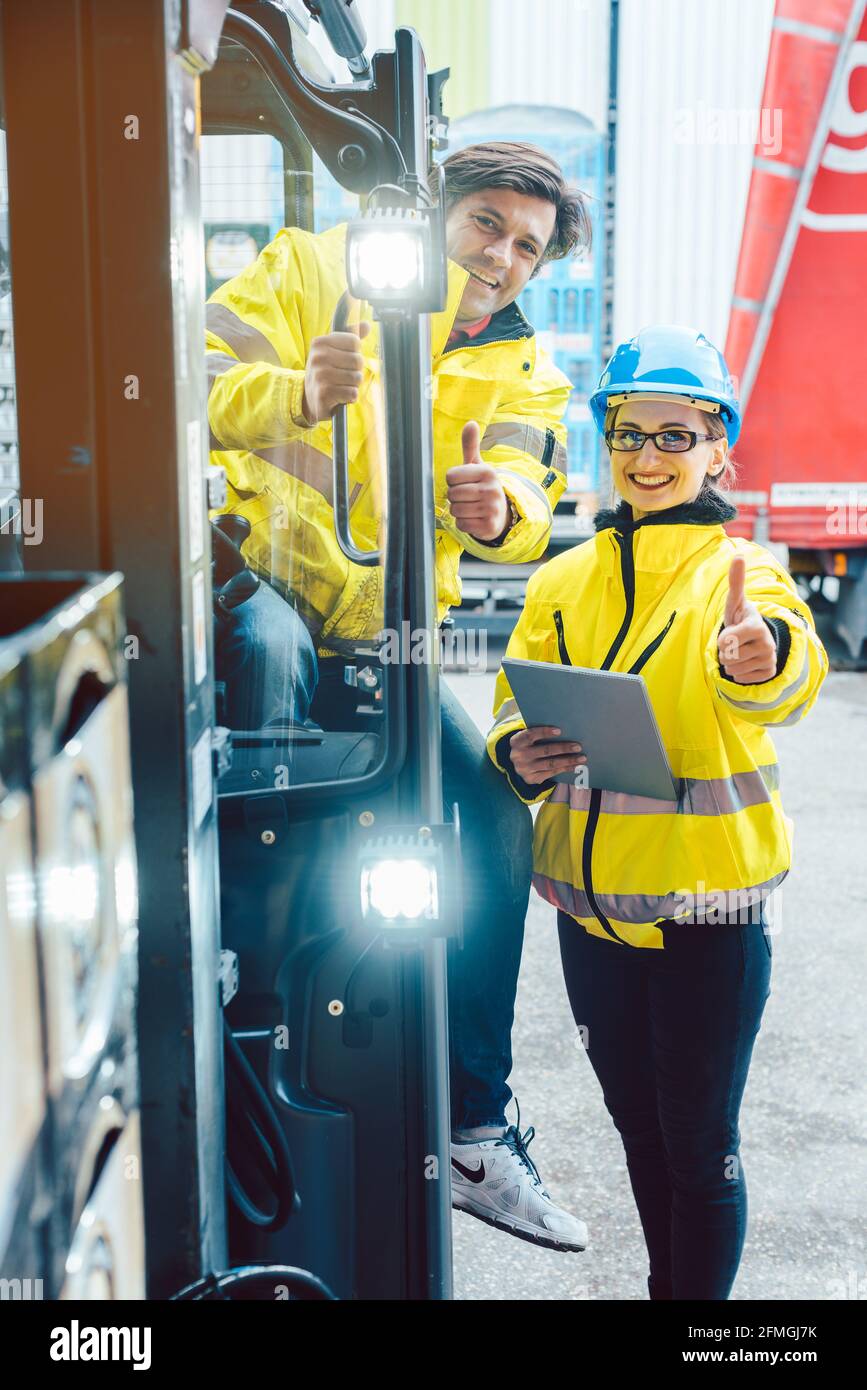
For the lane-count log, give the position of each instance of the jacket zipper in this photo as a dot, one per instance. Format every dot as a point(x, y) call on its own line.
point(651, 648)
point(561, 638)
point(627, 568)
point(478, 347)
point(595, 801)
point(547, 455)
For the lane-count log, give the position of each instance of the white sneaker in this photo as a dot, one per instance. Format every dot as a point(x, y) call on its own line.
point(497, 1181)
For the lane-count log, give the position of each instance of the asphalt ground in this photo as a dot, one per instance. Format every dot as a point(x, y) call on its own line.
point(803, 1116)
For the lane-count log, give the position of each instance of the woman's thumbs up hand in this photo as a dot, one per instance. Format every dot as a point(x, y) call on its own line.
point(746, 646)
point(737, 597)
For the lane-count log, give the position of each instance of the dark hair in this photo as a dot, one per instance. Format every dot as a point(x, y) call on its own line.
point(526, 169)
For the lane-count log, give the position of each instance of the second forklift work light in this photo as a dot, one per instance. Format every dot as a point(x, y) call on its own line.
point(409, 880)
point(400, 877)
point(399, 888)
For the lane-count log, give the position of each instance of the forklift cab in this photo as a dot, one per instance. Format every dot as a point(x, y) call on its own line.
point(297, 881)
point(261, 175)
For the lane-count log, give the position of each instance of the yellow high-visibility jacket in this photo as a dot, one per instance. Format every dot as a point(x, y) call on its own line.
point(650, 597)
point(260, 325)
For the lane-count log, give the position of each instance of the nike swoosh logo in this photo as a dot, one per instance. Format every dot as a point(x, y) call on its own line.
point(474, 1174)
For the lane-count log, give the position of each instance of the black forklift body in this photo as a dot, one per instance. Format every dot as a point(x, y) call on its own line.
point(343, 1024)
point(326, 1010)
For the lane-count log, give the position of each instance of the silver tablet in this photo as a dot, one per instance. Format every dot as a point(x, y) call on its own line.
point(608, 713)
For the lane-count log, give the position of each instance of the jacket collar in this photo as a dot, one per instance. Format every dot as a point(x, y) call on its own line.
point(662, 542)
point(710, 508)
point(507, 323)
point(441, 323)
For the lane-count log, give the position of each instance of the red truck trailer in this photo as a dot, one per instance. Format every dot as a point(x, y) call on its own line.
point(797, 342)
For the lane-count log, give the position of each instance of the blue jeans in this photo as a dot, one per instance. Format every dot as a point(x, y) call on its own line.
point(670, 1035)
point(266, 657)
point(497, 864)
point(497, 857)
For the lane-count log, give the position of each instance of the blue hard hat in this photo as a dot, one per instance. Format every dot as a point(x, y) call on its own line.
point(669, 360)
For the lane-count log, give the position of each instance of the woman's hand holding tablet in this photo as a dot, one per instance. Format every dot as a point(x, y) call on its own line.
point(538, 754)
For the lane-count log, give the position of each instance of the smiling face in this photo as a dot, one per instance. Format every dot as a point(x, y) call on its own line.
point(651, 479)
point(499, 236)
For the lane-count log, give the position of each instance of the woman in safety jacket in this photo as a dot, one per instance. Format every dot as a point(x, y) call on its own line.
point(663, 934)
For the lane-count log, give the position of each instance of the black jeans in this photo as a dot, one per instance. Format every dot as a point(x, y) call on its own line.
point(669, 1034)
point(497, 859)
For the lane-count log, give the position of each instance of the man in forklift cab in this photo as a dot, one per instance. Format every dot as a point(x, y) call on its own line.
point(276, 374)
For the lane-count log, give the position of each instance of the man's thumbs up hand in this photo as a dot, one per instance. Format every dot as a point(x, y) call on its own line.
point(475, 494)
point(746, 646)
point(471, 443)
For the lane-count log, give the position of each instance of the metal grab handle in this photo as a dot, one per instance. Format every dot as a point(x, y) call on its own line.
point(340, 457)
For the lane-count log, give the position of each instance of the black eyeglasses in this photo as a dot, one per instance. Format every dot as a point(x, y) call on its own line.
point(667, 441)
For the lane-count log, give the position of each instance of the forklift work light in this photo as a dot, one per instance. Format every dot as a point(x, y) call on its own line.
point(401, 879)
point(399, 889)
point(388, 258)
point(386, 261)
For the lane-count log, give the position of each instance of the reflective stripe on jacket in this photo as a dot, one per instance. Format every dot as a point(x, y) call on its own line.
point(260, 325)
point(650, 597)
